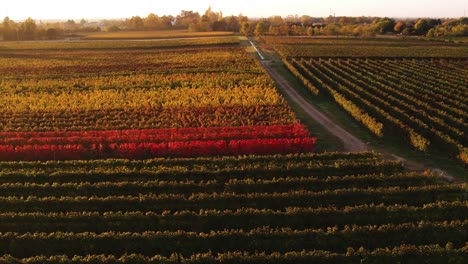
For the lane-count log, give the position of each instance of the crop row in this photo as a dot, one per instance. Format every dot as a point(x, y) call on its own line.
point(260, 239)
point(187, 187)
point(114, 61)
point(365, 51)
point(262, 146)
point(204, 163)
point(215, 39)
point(139, 98)
point(351, 42)
point(54, 85)
point(205, 220)
point(152, 135)
point(219, 170)
point(363, 100)
point(398, 254)
point(402, 106)
point(148, 118)
point(196, 201)
point(438, 94)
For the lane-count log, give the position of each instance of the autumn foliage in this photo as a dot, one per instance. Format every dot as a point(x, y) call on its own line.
point(147, 143)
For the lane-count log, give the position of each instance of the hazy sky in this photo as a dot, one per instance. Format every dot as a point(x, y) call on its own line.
point(66, 9)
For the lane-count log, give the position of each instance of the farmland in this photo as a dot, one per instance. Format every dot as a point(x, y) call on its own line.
point(194, 97)
point(295, 208)
point(184, 151)
point(418, 95)
point(163, 34)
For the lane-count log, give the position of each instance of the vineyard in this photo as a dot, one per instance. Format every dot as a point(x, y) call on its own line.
point(161, 34)
point(423, 100)
point(184, 151)
point(198, 97)
point(296, 208)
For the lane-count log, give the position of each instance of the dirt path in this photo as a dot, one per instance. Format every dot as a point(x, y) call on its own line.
point(351, 143)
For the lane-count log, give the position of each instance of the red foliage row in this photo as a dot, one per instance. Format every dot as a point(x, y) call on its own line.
point(164, 149)
point(152, 135)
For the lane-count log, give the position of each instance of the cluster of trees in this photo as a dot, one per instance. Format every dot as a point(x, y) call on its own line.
point(29, 29)
point(193, 21)
point(356, 26)
point(214, 21)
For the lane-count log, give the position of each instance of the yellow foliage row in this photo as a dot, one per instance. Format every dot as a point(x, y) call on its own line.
point(106, 62)
point(162, 43)
point(138, 98)
point(176, 80)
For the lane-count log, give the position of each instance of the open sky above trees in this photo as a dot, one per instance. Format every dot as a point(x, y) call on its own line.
point(58, 9)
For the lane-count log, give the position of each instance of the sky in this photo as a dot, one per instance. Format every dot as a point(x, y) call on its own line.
point(92, 9)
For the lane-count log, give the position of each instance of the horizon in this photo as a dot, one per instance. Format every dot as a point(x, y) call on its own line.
point(42, 10)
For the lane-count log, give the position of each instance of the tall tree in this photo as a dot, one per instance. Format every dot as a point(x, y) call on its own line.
point(261, 28)
point(136, 23)
point(152, 22)
point(28, 28)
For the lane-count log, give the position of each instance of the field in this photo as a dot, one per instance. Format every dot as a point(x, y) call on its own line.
point(184, 151)
point(419, 94)
point(162, 34)
point(198, 98)
point(332, 207)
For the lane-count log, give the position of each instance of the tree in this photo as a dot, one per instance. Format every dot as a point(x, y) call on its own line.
point(459, 31)
point(70, 25)
point(273, 30)
point(112, 28)
point(53, 33)
point(245, 28)
point(28, 28)
point(398, 28)
point(385, 25)
point(232, 24)
point(187, 18)
point(331, 29)
point(219, 25)
point(261, 28)
point(212, 16)
point(9, 30)
point(422, 26)
point(136, 23)
point(151, 22)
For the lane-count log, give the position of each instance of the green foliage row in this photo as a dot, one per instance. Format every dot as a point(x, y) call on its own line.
point(396, 112)
point(187, 187)
point(420, 129)
point(208, 162)
point(399, 254)
point(261, 239)
point(296, 71)
point(371, 52)
point(197, 201)
point(245, 218)
point(440, 90)
point(119, 45)
point(395, 96)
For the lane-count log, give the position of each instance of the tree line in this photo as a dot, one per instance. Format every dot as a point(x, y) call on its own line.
point(30, 29)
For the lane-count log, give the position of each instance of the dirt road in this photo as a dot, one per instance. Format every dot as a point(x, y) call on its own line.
point(351, 143)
